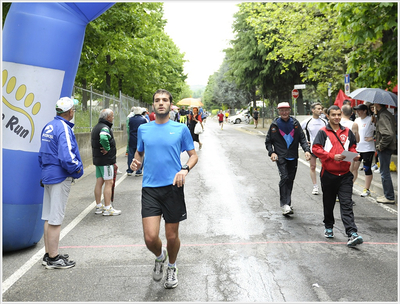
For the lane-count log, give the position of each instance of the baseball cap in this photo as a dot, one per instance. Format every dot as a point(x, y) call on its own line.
point(361, 107)
point(283, 105)
point(64, 104)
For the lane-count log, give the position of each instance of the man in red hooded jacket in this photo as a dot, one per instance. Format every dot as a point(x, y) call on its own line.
point(336, 177)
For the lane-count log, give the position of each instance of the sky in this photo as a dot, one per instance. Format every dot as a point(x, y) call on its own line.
point(201, 30)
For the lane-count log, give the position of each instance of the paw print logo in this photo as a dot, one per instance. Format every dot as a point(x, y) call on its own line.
point(27, 106)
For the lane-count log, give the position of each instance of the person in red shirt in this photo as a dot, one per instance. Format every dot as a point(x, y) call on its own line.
point(221, 119)
point(152, 116)
point(336, 177)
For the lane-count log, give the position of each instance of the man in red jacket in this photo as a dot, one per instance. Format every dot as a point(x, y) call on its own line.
point(336, 177)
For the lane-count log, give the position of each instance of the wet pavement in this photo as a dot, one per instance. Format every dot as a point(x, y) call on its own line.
point(235, 245)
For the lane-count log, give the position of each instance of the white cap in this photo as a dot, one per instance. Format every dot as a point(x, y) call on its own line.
point(283, 105)
point(64, 104)
point(137, 110)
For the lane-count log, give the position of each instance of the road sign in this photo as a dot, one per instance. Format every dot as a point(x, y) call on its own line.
point(347, 84)
point(295, 93)
point(300, 86)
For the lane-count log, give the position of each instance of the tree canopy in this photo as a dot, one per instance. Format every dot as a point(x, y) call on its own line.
point(279, 44)
point(127, 49)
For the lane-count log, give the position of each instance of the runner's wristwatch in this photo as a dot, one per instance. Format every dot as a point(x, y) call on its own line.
point(185, 167)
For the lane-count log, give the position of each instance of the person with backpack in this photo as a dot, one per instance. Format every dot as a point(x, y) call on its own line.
point(311, 126)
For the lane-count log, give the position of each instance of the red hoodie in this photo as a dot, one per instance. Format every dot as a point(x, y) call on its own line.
point(326, 145)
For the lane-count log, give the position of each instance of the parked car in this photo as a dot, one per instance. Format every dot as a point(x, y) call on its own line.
point(238, 118)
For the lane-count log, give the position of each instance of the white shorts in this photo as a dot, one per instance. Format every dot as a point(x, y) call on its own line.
point(105, 172)
point(55, 201)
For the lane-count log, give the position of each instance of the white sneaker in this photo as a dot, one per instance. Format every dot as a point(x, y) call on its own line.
point(158, 270)
point(315, 191)
point(172, 278)
point(377, 171)
point(366, 193)
point(286, 209)
point(99, 210)
point(111, 211)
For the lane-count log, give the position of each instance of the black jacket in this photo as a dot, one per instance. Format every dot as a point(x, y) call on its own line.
point(275, 143)
point(98, 158)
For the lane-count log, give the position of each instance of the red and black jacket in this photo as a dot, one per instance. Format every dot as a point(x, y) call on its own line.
point(326, 145)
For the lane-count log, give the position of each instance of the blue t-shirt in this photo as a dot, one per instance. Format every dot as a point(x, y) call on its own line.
point(162, 145)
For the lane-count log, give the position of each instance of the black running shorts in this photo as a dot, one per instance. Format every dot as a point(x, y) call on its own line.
point(168, 201)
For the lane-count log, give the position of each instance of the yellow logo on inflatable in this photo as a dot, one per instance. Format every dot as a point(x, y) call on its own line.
point(20, 93)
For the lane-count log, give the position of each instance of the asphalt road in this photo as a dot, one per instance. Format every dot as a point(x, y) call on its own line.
point(235, 245)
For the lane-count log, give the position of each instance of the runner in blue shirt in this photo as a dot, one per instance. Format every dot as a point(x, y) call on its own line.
point(163, 141)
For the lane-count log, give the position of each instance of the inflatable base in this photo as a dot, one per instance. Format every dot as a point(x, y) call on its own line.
point(22, 226)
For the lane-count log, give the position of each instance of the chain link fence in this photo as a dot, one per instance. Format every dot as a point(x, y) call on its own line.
point(91, 102)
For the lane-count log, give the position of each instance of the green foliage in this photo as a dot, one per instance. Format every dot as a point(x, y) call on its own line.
point(221, 91)
point(127, 49)
point(279, 44)
point(370, 29)
point(5, 8)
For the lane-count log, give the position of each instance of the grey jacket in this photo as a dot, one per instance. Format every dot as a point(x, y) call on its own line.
point(385, 131)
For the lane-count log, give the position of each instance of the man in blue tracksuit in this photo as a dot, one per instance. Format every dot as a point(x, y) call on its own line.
point(60, 162)
point(282, 142)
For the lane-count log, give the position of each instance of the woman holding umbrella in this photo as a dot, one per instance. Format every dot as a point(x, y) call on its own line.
point(193, 120)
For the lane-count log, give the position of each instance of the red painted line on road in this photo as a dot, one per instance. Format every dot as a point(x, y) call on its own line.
point(227, 244)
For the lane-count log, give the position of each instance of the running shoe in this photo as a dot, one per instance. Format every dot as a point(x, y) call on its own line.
point(111, 211)
point(286, 209)
point(374, 167)
point(315, 190)
point(158, 270)
point(46, 257)
point(59, 263)
point(384, 200)
point(172, 278)
point(328, 232)
point(354, 240)
point(366, 193)
point(100, 210)
point(139, 173)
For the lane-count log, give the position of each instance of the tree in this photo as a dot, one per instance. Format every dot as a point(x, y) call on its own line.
point(370, 29)
point(126, 49)
point(249, 63)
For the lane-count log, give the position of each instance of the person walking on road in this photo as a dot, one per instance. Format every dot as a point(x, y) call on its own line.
point(311, 126)
point(195, 118)
point(282, 142)
point(336, 177)
point(61, 163)
point(183, 117)
point(104, 154)
point(221, 119)
point(385, 145)
point(163, 141)
point(347, 122)
point(133, 124)
point(255, 117)
point(366, 145)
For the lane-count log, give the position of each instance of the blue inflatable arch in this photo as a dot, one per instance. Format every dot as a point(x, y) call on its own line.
point(42, 44)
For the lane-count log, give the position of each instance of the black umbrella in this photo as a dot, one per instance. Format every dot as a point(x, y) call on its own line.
point(374, 95)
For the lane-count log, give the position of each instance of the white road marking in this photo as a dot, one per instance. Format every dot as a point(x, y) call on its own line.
point(10, 281)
